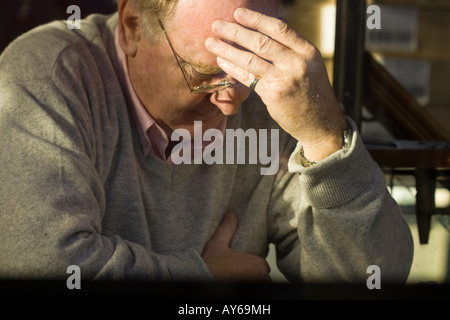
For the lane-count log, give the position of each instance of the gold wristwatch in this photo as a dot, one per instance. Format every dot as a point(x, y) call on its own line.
point(346, 142)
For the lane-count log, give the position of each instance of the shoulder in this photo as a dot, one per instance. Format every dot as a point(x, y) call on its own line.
point(36, 53)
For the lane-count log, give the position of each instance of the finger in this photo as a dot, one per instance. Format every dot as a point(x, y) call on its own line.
point(241, 75)
point(226, 229)
point(256, 42)
point(243, 59)
point(260, 270)
point(266, 266)
point(277, 29)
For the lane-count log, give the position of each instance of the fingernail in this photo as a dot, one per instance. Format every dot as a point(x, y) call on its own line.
point(218, 25)
point(211, 43)
point(242, 12)
point(222, 63)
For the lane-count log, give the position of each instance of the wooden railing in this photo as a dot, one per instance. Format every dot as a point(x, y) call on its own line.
point(396, 108)
point(428, 160)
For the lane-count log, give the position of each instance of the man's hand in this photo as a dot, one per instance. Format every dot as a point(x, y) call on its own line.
point(226, 264)
point(293, 83)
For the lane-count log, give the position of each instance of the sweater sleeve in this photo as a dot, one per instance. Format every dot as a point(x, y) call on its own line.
point(52, 189)
point(342, 220)
point(52, 199)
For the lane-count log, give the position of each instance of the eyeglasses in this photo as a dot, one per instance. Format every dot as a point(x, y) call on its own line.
point(225, 83)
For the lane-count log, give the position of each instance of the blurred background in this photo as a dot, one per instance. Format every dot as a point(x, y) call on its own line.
point(18, 16)
point(392, 80)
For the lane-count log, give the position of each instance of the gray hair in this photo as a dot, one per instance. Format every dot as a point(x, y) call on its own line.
point(150, 11)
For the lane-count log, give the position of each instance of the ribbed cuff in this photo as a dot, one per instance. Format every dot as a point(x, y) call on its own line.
point(188, 267)
point(340, 177)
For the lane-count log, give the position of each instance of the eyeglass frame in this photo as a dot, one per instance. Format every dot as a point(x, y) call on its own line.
point(199, 89)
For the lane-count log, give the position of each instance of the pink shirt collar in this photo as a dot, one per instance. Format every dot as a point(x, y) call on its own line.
point(153, 137)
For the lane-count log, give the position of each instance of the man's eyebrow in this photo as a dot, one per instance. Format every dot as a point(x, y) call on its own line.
point(204, 69)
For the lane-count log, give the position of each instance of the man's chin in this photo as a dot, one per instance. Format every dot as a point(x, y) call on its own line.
point(229, 109)
point(204, 122)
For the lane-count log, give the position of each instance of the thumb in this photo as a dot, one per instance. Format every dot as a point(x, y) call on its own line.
point(226, 229)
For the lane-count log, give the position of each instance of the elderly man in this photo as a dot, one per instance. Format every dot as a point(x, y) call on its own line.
point(88, 120)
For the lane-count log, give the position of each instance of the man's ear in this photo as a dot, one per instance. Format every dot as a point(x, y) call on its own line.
point(130, 30)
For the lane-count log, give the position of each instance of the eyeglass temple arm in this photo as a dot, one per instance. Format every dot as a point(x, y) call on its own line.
point(175, 54)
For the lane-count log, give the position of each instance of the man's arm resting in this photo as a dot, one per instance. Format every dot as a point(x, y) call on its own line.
point(348, 220)
point(52, 198)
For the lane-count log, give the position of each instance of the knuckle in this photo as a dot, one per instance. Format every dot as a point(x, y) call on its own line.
point(302, 68)
point(280, 27)
point(250, 62)
point(262, 44)
point(312, 52)
point(258, 19)
point(235, 33)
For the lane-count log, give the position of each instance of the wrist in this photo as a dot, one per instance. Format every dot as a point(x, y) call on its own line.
point(312, 154)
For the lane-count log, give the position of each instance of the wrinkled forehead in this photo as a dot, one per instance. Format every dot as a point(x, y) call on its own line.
point(198, 15)
point(192, 20)
point(209, 10)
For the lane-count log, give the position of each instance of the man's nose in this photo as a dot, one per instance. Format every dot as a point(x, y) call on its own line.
point(229, 99)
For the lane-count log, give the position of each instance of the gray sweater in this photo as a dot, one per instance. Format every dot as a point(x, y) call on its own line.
point(76, 189)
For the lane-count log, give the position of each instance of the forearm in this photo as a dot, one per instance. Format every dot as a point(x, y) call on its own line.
point(45, 228)
point(341, 242)
point(348, 220)
point(56, 204)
